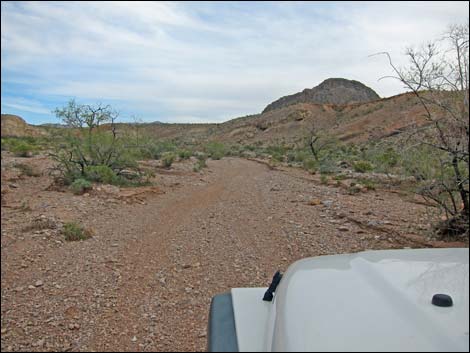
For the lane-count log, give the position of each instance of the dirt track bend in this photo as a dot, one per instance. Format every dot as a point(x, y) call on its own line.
point(145, 280)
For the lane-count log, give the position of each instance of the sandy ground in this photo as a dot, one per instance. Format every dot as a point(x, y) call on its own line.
point(144, 281)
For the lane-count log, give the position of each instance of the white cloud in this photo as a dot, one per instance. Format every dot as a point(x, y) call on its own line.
point(206, 60)
point(25, 105)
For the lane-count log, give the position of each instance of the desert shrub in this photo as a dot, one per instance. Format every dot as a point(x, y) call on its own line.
point(22, 149)
point(300, 156)
point(354, 189)
point(27, 170)
point(362, 166)
point(310, 165)
point(235, 151)
point(75, 232)
point(324, 179)
point(340, 177)
point(24, 146)
point(327, 166)
point(421, 162)
point(155, 150)
point(101, 174)
point(88, 144)
point(184, 154)
point(79, 186)
point(277, 152)
point(249, 148)
point(290, 157)
point(215, 150)
point(383, 158)
point(167, 159)
point(368, 184)
point(201, 162)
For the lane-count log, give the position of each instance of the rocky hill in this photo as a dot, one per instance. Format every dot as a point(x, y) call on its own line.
point(338, 91)
point(351, 123)
point(15, 126)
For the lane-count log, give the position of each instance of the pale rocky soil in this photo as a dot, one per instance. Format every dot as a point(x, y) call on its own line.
point(145, 280)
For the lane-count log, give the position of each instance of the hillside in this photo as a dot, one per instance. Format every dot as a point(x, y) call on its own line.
point(15, 126)
point(353, 123)
point(288, 119)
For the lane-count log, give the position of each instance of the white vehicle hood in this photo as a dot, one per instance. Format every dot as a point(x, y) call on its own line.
point(369, 301)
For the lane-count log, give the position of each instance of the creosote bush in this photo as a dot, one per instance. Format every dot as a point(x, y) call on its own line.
point(362, 166)
point(73, 231)
point(80, 186)
point(167, 159)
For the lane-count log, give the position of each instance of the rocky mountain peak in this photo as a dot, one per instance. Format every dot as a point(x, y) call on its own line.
point(338, 91)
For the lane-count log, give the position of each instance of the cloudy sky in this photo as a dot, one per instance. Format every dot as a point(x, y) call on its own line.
point(200, 62)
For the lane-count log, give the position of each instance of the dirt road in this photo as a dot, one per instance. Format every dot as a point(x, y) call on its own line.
point(145, 280)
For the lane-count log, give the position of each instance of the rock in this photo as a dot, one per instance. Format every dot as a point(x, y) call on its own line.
point(373, 223)
point(186, 266)
point(315, 202)
point(327, 203)
point(343, 229)
point(39, 343)
point(39, 283)
point(130, 174)
point(134, 339)
point(4, 331)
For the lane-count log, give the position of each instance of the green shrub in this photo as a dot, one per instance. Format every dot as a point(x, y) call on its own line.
point(87, 143)
point(301, 156)
point(310, 165)
point(354, 189)
point(215, 150)
point(184, 154)
point(22, 149)
point(101, 174)
point(155, 150)
point(75, 232)
point(369, 184)
point(340, 177)
point(383, 158)
point(362, 166)
point(79, 186)
point(201, 162)
point(327, 166)
point(167, 159)
point(324, 179)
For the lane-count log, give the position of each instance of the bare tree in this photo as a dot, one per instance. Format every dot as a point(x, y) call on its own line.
point(317, 141)
point(438, 76)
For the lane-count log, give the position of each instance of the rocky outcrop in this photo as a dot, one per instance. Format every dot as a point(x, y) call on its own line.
point(338, 91)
